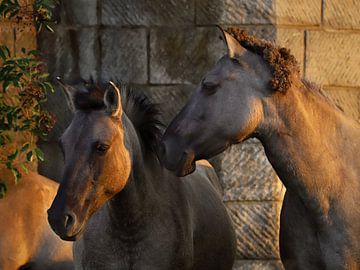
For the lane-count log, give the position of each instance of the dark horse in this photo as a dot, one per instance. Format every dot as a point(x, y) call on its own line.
point(133, 213)
point(256, 91)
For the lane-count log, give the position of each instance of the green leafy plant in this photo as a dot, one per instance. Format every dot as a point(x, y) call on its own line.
point(40, 12)
point(24, 87)
point(9, 8)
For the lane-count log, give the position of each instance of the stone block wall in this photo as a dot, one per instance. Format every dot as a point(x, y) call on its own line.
point(165, 47)
point(325, 37)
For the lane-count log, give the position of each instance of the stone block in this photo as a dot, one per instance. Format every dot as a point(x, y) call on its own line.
point(298, 12)
point(342, 14)
point(257, 229)
point(194, 50)
point(333, 58)
point(124, 55)
point(46, 42)
point(258, 265)
point(211, 12)
point(183, 55)
point(171, 99)
point(60, 51)
point(147, 13)
point(88, 53)
point(56, 104)
point(292, 39)
point(261, 31)
point(78, 12)
point(348, 100)
point(71, 54)
point(246, 174)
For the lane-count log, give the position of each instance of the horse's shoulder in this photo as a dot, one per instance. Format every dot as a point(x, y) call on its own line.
point(43, 187)
point(42, 181)
point(33, 188)
point(205, 170)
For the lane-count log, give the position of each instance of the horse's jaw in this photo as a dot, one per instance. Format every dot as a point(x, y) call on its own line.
point(180, 166)
point(187, 165)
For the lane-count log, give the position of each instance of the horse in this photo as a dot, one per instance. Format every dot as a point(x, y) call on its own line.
point(256, 91)
point(120, 205)
point(26, 239)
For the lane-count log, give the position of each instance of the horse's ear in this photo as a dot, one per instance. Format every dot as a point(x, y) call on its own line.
point(69, 92)
point(112, 100)
point(234, 48)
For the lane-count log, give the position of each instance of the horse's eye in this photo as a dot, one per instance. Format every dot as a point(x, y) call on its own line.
point(101, 148)
point(209, 87)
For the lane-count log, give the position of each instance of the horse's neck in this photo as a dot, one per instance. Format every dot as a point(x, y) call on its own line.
point(312, 146)
point(130, 209)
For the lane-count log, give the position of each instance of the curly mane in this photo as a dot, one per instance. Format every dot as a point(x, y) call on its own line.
point(281, 62)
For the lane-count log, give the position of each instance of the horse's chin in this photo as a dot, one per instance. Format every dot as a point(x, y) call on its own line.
point(73, 237)
point(70, 238)
point(186, 166)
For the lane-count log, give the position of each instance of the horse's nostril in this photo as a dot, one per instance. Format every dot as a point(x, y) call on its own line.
point(70, 220)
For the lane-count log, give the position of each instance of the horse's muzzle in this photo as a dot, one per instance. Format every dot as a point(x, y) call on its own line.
point(64, 224)
point(176, 159)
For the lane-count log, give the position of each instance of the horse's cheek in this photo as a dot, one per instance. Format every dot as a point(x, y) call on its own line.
point(119, 171)
point(125, 168)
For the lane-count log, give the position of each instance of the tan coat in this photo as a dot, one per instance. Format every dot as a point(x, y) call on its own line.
point(25, 235)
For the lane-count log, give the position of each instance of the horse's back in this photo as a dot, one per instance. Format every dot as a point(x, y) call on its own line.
point(25, 234)
point(214, 235)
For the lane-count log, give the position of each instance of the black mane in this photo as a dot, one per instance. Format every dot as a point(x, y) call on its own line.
point(144, 115)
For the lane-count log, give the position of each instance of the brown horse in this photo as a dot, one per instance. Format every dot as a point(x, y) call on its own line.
point(26, 239)
point(131, 212)
point(256, 91)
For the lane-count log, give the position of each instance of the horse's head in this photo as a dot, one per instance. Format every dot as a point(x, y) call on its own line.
point(227, 106)
point(97, 162)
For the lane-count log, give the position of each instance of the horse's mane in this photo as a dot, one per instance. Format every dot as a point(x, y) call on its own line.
point(144, 115)
point(320, 92)
point(281, 62)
